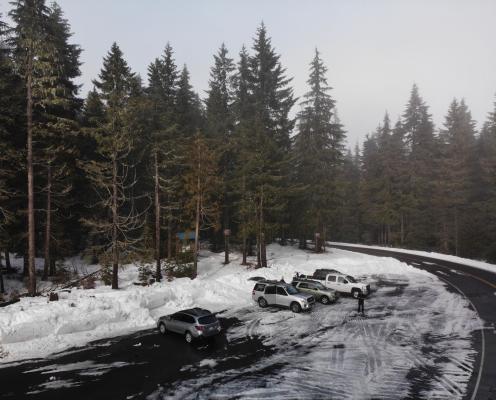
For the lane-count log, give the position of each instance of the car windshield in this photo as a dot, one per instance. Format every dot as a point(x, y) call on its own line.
point(207, 319)
point(351, 279)
point(291, 290)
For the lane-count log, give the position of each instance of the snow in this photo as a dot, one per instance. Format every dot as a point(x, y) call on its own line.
point(413, 323)
point(439, 256)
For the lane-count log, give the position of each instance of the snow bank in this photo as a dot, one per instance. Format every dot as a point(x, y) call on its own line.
point(446, 257)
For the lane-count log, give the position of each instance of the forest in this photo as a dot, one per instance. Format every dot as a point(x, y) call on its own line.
point(115, 176)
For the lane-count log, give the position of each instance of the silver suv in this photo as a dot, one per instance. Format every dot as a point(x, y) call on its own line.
point(316, 289)
point(194, 323)
point(268, 293)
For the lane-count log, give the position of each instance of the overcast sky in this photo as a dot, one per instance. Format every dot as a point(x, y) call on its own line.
point(375, 50)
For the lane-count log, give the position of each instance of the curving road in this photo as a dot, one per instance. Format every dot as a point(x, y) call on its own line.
point(479, 287)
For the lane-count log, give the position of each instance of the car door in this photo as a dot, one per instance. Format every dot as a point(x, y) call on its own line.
point(303, 287)
point(342, 284)
point(282, 298)
point(312, 290)
point(331, 282)
point(270, 294)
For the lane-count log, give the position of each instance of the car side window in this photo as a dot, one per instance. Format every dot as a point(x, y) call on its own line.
point(259, 287)
point(331, 278)
point(270, 290)
point(281, 291)
point(189, 319)
point(178, 317)
point(310, 286)
point(303, 285)
point(341, 279)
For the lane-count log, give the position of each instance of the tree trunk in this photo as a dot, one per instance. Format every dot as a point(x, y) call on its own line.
point(25, 264)
point(48, 225)
point(197, 232)
point(7, 259)
point(169, 240)
point(158, 274)
point(402, 229)
point(226, 249)
point(2, 287)
point(29, 159)
point(456, 232)
point(244, 249)
point(263, 250)
point(115, 250)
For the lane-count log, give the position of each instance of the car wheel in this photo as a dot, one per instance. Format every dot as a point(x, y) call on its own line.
point(162, 329)
point(324, 300)
point(262, 302)
point(188, 337)
point(295, 307)
point(355, 293)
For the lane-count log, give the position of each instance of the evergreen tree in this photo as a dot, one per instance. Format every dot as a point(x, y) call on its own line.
point(57, 130)
point(318, 155)
point(266, 148)
point(457, 167)
point(188, 106)
point(419, 134)
point(201, 185)
point(112, 174)
point(33, 51)
point(162, 81)
point(219, 127)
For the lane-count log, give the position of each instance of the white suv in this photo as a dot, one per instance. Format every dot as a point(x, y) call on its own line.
point(268, 293)
point(340, 282)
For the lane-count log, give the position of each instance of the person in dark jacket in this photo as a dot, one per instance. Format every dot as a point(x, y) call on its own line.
point(361, 303)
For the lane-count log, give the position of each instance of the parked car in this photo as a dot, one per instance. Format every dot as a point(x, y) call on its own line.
point(340, 282)
point(316, 289)
point(194, 323)
point(273, 293)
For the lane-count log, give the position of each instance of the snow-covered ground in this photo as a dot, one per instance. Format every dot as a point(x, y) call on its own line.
point(414, 323)
point(446, 257)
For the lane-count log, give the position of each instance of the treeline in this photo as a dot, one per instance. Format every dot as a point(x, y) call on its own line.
point(118, 174)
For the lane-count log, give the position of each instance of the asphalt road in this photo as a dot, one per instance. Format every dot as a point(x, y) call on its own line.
point(135, 366)
point(479, 287)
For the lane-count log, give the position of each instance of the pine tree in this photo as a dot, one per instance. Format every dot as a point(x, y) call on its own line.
point(267, 147)
point(220, 127)
point(457, 167)
point(419, 135)
point(201, 185)
point(58, 128)
point(318, 155)
point(188, 106)
point(33, 51)
point(112, 174)
point(162, 87)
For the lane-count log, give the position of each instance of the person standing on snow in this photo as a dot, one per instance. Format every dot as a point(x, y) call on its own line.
point(361, 303)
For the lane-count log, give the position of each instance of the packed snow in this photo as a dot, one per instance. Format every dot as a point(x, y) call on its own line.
point(415, 331)
point(439, 256)
point(413, 323)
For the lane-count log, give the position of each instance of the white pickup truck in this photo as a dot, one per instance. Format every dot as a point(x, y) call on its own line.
point(340, 282)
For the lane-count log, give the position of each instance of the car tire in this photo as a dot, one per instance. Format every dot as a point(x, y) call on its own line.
point(162, 329)
point(295, 307)
point(262, 302)
point(324, 300)
point(188, 337)
point(355, 293)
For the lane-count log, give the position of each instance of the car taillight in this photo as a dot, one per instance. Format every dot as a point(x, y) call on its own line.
point(199, 327)
point(253, 293)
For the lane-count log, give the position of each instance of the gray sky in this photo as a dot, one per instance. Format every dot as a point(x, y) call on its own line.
point(375, 50)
